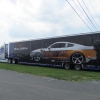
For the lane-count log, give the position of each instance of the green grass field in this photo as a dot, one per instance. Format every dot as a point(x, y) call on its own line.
point(62, 74)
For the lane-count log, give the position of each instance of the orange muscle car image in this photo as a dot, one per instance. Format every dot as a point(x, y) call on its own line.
point(76, 53)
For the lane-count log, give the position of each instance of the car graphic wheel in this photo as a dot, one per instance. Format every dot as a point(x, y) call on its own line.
point(37, 57)
point(77, 58)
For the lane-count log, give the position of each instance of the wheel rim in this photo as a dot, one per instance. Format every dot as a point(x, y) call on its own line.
point(77, 58)
point(37, 57)
point(9, 61)
point(77, 67)
point(67, 66)
point(13, 61)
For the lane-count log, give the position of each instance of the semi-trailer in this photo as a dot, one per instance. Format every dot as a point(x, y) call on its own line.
point(63, 51)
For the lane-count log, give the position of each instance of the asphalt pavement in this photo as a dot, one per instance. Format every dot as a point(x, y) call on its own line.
point(20, 86)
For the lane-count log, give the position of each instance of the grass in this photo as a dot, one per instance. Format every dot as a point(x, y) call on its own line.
point(61, 74)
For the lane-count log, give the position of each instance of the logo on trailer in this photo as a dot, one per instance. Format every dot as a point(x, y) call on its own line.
point(20, 47)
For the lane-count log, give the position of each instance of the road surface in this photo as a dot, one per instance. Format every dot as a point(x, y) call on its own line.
point(19, 86)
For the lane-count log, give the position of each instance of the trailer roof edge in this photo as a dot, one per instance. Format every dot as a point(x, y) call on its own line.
point(57, 37)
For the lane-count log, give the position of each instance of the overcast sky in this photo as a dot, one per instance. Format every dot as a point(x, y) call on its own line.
point(31, 19)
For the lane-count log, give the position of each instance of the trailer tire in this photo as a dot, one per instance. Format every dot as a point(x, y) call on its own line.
point(78, 67)
point(13, 61)
point(9, 61)
point(67, 66)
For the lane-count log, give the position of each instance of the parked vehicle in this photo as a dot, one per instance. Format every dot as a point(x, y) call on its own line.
point(4, 52)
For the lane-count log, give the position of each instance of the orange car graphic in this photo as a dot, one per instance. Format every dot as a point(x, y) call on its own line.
point(76, 53)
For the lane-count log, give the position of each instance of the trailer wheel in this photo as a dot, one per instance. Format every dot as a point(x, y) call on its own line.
point(9, 61)
point(78, 67)
point(13, 61)
point(77, 58)
point(37, 57)
point(67, 66)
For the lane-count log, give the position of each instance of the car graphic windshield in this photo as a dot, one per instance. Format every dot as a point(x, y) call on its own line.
point(58, 45)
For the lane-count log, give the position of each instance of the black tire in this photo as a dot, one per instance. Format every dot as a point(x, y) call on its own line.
point(67, 66)
point(13, 61)
point(77, 58)
point(78, 67)
point(37, 57)
point(9, 61)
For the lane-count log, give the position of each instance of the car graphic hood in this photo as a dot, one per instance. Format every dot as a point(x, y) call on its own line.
point(38, 50)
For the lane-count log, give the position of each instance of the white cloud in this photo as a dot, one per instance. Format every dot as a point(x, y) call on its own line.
point(27, 19)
